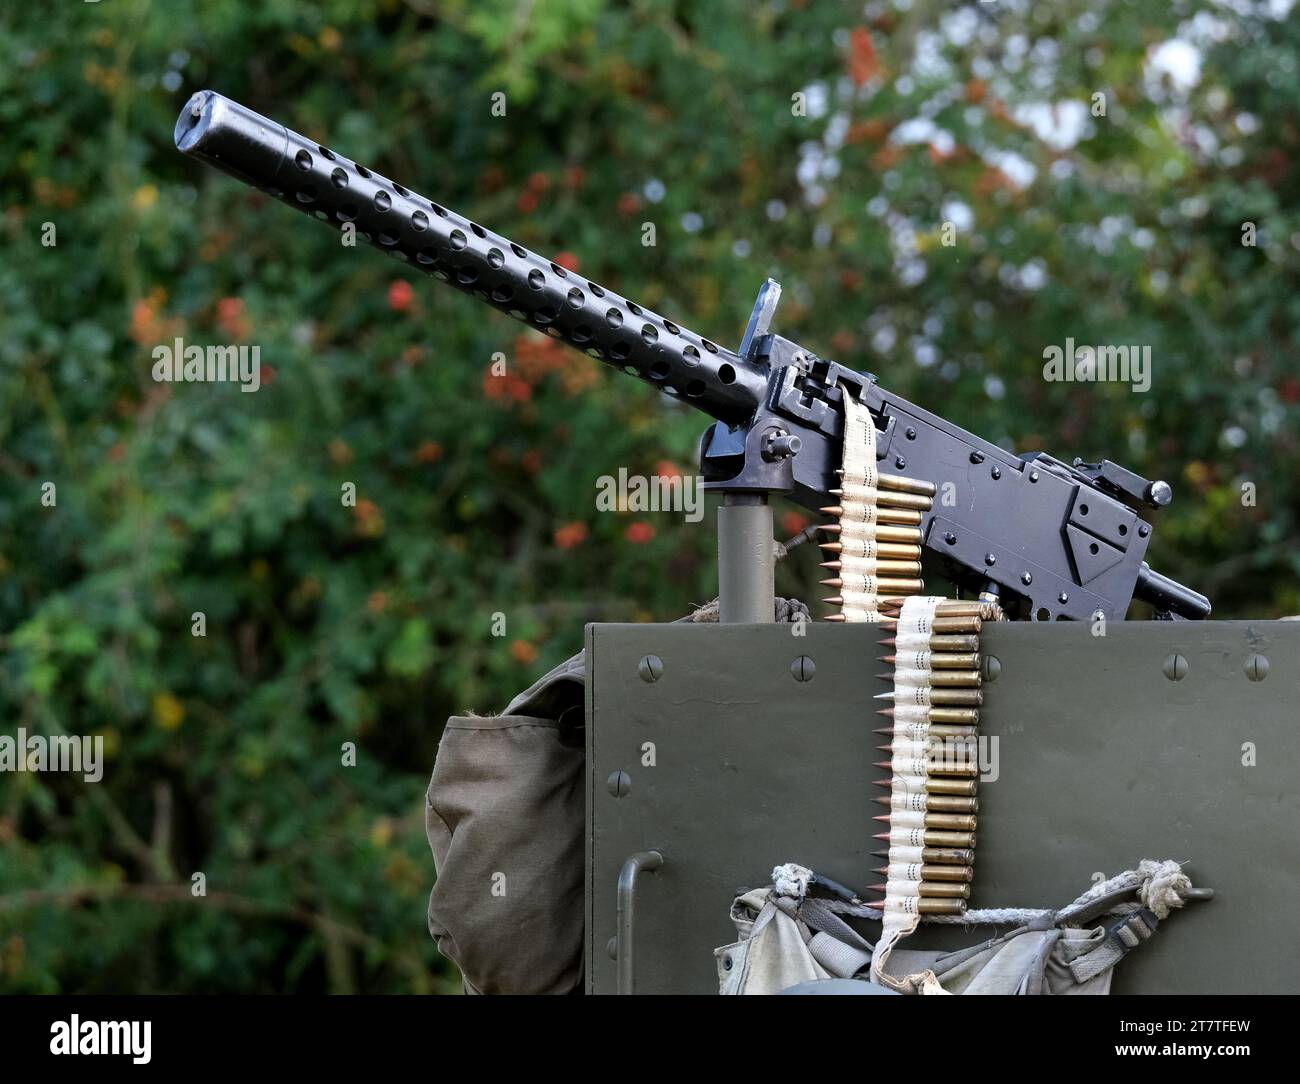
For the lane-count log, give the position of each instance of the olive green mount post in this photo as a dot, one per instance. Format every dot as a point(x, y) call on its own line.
point(746, 585)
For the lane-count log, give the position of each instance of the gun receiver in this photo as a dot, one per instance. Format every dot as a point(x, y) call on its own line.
point(1055, 540)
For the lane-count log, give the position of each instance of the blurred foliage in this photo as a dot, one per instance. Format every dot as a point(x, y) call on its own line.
point(328, 624)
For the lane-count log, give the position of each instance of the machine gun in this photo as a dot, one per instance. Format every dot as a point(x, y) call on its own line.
point(1048, 539)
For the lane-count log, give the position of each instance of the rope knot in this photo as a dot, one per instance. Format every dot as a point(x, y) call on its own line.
point(1164, 884)
point(791, 880)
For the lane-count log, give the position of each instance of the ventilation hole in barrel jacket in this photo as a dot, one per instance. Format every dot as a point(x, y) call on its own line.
point(466, 274)
point(400, 190)
point(383, 201)
point(306, 195)
point(521, 253)
point(502, 294)
point(726, 374)
point(458, 240)
point(691, 356)
point(441, 212)
point(709, 346)
point(479, 231)
point(346, 212)
point(631, 370)
point(536, 279)
point(659, 370)
point(327, 152)
point(427, 256)
point(620, 350)
point(363, 171)
point(576, 298)
point(598, 291)
point(695, 389)
point(388, 237)
point(614, 318)
point(672, 328)
point(496, 258)
point(339, 177)
point(649, 334)
point(581, 334)
point(634, 309)
point(545, 315)
point(559, 270)
point(419, 221)
point(304, 160)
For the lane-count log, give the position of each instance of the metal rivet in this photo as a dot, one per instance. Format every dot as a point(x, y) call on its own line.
point(726, 963)
point(651, 668)
point(950, 538)
point(1257, 668)
point(803, 668)
point(990, 559)
point(977, 457)
point(996, 472)
point(1175, 668)
point(619, 784)
point(1062, 598)
point(1143, 530)
point(1026, 578)
point(611, 948)
point(900, 462)
point(992, 667)
point(910, 433)
point(1033, 476)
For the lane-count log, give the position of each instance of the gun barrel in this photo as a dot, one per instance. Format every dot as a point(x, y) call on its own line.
point(433, 239)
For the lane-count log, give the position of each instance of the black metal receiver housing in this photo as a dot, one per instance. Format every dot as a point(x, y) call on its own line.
point(1053, 540)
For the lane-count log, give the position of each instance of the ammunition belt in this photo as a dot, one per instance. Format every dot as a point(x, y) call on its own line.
point(933, 644)
point(874, 549)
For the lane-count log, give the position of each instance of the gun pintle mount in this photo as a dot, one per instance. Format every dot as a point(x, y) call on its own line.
point(1049, 539)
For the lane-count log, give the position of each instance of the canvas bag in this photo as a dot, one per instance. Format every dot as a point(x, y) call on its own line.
point(786, 938)
point(504, 813)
